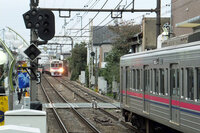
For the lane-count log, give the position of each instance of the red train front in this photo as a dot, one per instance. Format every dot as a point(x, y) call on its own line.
point(54, 67)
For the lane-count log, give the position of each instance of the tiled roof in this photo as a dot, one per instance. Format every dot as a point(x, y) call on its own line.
point(103, 35)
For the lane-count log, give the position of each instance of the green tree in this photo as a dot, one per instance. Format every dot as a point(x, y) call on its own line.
point(121, 47)
point(78, 60)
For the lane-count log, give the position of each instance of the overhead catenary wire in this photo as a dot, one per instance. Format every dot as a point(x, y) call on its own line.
point(138, 17)
point(88, 3)
point(94, 16)
point(119, 14)
point(91, 7)
point(104, 20)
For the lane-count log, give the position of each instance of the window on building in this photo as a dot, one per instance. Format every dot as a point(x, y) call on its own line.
point(190, 83)
point(105, 55)
point(162, 81)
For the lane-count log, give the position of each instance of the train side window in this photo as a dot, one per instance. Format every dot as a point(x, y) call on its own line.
point(182, 81)
point(198, 84)
point(138, 79)
point(131, 76)
point(134, 79)
point(156, 74)
point(146, 80)
point(162, 81)
point(173, 81)
point(127, 77)
point(151, 81)
point(166, 82)
point(190, 83)
point(178, 84)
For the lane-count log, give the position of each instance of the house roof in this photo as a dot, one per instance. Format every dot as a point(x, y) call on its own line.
point(103, 35)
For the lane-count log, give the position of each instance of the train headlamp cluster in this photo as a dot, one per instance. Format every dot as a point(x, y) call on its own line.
point(61, 70)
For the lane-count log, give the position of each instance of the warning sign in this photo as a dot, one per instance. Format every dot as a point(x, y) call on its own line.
point(3, 108)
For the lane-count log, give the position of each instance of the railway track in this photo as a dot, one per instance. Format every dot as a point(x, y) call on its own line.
point(82, 123)
point(80, 92)
point(110, 113)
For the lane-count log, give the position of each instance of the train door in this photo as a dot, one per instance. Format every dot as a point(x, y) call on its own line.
point(146, 88)
point(174, 92)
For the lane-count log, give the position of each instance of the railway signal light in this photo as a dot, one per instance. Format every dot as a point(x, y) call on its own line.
point(41, 19)
point(47, 29)
point(32, 52)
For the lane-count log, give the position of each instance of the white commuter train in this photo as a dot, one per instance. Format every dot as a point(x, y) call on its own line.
point(54, 67)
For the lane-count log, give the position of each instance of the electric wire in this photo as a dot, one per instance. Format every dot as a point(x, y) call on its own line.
point(102, 22)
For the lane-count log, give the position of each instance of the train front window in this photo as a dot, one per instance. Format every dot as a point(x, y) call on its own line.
point(60, 65)
point(198, 83)
point(52, 65)
point(190, 83)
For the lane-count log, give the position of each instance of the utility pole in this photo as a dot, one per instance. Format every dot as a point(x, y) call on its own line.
point(33, 38)
point(158, 19)
point(90, 47)
point(96, 73)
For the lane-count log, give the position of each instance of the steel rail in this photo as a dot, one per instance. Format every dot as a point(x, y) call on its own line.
point(88, 92)
point(90, 125)
point(102, 110)
point(63, 128)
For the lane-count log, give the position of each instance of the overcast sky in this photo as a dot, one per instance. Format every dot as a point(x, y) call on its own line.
point(11, 13)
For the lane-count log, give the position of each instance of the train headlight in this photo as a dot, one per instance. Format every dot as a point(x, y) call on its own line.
point(52, 70)
point(61, 70)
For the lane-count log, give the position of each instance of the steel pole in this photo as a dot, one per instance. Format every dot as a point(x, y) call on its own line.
point(158, 19)
point(33, 38)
